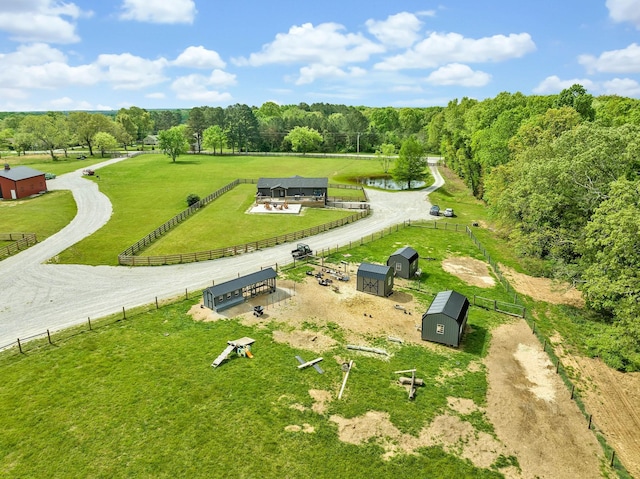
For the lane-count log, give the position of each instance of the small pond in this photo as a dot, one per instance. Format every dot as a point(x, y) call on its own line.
point(387, 183)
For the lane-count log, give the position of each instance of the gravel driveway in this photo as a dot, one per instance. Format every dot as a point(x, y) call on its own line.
point(37, 296)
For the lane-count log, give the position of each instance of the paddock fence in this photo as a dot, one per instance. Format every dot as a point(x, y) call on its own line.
point(19, 241)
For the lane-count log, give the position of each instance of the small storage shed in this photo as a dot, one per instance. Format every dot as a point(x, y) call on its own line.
point(231, 293)
point(404, 262)
point(21, 182)
point(375, 279)
point(446, 318)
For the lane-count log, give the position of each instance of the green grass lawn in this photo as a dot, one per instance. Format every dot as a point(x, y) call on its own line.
point(43, 215)
point(149, 189)
point(58, 166)
point(209, 228)
point(138, 398)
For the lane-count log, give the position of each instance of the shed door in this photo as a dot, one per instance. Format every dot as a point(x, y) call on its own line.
point(13, 195)
point(370, 285)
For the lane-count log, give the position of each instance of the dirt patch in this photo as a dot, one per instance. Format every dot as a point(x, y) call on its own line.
point(306, 428)
point(322, 399)
point(543, 289)
point(470, 270)
point(531, 409)
point(461, 405)
point(450, 432)
point(309, 340)
point(613, 398)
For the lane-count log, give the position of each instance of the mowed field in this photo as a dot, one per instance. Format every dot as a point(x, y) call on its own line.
point(138, 398)
point(149, 189)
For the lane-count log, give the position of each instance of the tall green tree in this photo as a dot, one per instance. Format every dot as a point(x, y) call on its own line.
point(611, 255)
point(84, 126)
point(385, 155)
point(411, 163)
point(140, 118)
point(196, 124)
point(241, 127)
point(304, 139)
point(576, 96)
point(214, 137)
point(44, 132)
point(173, 142)
point(104, 142)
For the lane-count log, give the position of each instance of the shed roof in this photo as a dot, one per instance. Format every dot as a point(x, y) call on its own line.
point(241, 282)
point(449, 303)
point(293, 182)
point(407, 252)
point(371, 270)
point(18, 173)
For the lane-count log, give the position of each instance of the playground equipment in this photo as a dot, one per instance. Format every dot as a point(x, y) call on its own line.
point(241, 346)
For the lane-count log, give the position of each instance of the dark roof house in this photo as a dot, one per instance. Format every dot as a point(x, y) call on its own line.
point(21, 182)
point(293, 187)
point(375, 279)
point(404, 262)
point(446, 318)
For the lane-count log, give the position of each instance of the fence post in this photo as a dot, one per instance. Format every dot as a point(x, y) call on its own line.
point(49, 337)
point(124, 314)
point(590, 417)
point(573, 388)
point(186, 293)
point(613, 456)
point(89, 320)
point(20, 346)
point(156, 302)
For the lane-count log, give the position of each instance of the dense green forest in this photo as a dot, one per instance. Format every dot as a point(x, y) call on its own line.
point(560, 173)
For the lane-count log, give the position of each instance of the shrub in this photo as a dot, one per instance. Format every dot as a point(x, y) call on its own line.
point(192, 199)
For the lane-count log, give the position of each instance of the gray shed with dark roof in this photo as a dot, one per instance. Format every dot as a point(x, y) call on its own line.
point(404, 262)
point(375, 279)
point(231, 293)
point(446, 318)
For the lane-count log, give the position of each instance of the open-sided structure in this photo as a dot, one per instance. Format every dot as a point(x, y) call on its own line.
point(21, 182)
point(234, 292)
point(404, 262)
point(375, 279)
point(446, 318)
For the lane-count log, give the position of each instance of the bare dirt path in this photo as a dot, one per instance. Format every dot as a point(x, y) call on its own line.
point(532, 412)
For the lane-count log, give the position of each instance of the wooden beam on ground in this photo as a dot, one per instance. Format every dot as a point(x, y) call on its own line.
point(405, 380)
point(405, 371)
point(344, 381)
point(367, 349)
point(315, 366)
point(309, 363)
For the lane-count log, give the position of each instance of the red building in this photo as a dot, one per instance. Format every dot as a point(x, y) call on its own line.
point(20, 182)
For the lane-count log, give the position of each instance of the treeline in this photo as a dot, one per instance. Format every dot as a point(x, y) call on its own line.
point(561, 174)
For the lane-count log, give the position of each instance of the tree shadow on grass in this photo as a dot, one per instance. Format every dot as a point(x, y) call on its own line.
point(474, 340)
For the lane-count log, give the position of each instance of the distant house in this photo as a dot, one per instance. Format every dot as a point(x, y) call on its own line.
point(404, 262)
point(375, 279)
point(150, 140)
point(231, 293)
point(294, 189)
point(21, 182)
point(446, 318)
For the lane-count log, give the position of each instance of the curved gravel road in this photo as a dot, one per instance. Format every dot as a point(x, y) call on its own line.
point(35, 296)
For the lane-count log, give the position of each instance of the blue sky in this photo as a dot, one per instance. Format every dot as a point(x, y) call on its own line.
point(110, 54)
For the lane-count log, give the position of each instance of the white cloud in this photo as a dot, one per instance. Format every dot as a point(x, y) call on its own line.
point(624, 11)
point(458, 74)
point(311, 73)
point(202, 88)
point(40, 20)
point(622, 87)
point(626, 60)
point(553, 84)
point(324, 44)
point(164, 11)
point(66, 103)
point(129, 72)
point(399, 30)
point(199, 57)
point(440, 49)
point(39, 66)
